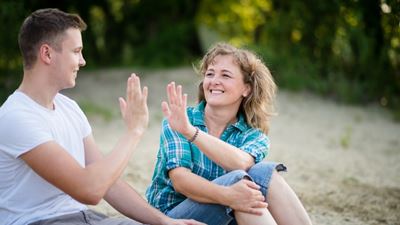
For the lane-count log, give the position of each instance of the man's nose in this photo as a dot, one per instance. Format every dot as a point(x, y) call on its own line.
point(82, 61)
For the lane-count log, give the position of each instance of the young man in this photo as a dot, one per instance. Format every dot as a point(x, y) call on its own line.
point(50, 166)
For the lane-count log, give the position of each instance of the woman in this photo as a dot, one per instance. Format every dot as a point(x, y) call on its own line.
point(209, 165)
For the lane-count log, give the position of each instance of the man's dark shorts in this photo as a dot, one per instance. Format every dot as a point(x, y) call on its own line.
point(88, 217)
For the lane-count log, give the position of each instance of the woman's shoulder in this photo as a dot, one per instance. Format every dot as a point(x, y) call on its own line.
point(252, 132)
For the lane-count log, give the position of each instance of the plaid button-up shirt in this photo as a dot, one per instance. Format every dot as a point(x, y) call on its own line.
point(176, 151)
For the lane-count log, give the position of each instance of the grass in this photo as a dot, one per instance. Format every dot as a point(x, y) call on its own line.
point(345, 139)
point(94, 110)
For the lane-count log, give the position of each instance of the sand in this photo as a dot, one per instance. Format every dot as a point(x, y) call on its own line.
point(343, 161)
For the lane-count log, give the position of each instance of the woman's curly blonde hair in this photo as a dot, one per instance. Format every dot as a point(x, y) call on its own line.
point(258, 106)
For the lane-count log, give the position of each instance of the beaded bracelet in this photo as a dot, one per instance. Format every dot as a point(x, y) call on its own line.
point(195, 135)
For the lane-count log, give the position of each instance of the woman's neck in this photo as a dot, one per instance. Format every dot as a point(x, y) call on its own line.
point(218, 119)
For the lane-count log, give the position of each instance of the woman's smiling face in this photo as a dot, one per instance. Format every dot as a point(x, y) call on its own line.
point(223, 82)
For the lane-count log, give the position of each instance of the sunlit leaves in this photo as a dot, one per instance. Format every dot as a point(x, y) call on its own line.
point(236, 21)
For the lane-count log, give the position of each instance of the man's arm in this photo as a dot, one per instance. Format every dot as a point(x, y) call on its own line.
point(128, 202)
point(89, 184)
point(122, 197)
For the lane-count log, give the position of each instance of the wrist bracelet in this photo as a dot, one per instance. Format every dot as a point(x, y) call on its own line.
point(194, 136)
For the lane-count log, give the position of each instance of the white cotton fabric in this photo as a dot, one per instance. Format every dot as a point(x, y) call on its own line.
point(25, 197)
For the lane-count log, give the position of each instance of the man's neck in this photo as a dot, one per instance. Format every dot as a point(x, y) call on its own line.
point(35, 86)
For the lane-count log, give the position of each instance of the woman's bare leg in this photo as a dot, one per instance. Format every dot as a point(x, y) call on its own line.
point(251, 219)
point(283, 203)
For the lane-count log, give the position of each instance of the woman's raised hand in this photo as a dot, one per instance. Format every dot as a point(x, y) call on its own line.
point(175, 110)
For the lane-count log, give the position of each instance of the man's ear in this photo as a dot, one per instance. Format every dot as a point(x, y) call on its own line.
point(45, 52)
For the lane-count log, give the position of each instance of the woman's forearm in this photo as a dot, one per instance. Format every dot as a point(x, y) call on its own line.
point(225, 155)
point(196, 187)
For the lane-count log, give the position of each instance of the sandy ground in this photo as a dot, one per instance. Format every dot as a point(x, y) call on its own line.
point(343, 161)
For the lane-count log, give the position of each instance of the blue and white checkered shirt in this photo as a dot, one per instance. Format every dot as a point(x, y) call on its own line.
point(176, 151)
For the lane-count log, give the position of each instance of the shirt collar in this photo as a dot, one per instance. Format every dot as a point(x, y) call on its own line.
point(198, 114)
point(241, 123)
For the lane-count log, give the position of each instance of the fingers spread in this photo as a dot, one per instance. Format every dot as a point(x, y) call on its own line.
point(136, 85)
point(169, 92)
point(172, 92)
point(165, 109)
point(184, 100)
point(122, 106)
point(134, 107)
point(179, 95)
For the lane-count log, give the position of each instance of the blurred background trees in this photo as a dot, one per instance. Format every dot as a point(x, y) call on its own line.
point(345, 49)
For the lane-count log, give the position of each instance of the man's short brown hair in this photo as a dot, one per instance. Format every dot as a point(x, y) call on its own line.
point(45, 26)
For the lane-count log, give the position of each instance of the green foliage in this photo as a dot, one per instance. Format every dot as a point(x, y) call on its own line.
point(238, 20)
point(10, 61)
point(120, 33)
point(148, 33)
point(348, 50)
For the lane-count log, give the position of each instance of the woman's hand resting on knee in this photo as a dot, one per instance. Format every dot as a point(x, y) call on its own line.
point(245, 196)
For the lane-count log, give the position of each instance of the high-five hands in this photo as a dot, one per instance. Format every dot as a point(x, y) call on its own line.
point(175, 110)
point(134, 108)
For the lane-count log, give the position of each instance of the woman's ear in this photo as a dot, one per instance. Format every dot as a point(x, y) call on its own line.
point(247, 91)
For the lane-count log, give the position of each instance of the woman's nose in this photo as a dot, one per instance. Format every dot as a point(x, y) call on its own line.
point(216, 80)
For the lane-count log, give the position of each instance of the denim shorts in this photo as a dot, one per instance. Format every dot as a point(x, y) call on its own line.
point(211, 214)
point(87, 217)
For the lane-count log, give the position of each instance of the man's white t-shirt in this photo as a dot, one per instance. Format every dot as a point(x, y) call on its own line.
point(25, 197)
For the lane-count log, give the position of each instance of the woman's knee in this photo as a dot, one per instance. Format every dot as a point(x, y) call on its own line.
point(259, 166)
point(237, 174)
point(261, 173)
point(266, 168)
point(277, 184)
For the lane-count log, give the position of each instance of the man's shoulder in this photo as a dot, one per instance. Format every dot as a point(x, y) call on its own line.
point(20, 109)
point(66, 101)
point(13, 104)
point(18, 114)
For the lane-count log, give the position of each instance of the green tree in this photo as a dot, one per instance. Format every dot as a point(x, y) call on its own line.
point(120, 32)
point(11, 12)
point(345, 49)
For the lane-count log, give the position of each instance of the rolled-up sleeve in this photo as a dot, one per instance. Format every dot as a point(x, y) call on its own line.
point(176, 148)
point(256, 144)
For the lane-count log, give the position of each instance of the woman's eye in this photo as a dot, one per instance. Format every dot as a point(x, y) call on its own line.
point(209, 74)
